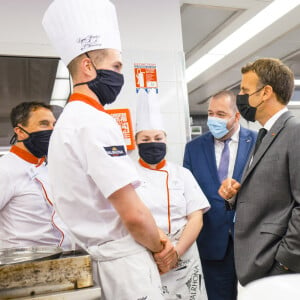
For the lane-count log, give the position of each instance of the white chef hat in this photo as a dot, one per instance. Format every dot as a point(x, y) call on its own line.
point(148, 115)
point(77, 26)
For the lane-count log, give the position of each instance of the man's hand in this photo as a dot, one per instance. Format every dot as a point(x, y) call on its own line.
point(167, 258)
point(229, 188)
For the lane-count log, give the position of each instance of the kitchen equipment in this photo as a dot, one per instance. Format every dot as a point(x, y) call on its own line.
point(10, 256)
point(43, 275)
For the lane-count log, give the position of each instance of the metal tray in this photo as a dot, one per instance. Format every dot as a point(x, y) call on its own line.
point(10, 256)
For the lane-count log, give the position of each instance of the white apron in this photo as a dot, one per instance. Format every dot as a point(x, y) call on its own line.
point(186, 281)
point(126, 271)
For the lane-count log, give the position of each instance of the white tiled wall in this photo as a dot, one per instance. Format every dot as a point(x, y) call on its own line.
point(150, 33)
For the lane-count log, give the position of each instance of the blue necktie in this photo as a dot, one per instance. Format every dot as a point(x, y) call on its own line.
point(224, 161)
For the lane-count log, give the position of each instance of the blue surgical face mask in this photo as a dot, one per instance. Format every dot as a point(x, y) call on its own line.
point(218, 126)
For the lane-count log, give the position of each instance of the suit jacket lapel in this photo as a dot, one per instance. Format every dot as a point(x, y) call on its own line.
point(244, 148)
point(268, 140)
point(209, 151)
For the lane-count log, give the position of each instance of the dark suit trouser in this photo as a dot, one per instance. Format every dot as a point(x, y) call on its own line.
point(220, 277)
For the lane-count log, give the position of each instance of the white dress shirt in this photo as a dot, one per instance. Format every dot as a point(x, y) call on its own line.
point(233, 147)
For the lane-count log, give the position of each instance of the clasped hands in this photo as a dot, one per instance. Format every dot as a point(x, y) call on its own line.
point(229, 188)
point(166, 259)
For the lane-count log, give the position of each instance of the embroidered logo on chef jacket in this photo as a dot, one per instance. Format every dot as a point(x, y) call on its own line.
point(115, 150)
point(176, 185)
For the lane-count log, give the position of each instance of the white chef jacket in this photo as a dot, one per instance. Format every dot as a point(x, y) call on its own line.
point(171, 193)
point(88, 162)
point(26, 213)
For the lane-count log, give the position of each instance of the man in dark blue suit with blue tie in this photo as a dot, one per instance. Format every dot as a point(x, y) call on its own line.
point(220, 153)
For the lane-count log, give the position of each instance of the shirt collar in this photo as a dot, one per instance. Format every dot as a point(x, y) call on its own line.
point(86, 99)
point(159, 166)
point(234, 138)
point(27, 156)
point(274, 118)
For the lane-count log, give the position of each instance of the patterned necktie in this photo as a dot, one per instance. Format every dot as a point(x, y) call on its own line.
point(261, 134)
point(224, 161)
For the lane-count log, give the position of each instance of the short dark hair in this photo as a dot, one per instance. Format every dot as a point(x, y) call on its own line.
point(94, 55)
point(227, 93)
point(273, 72)
point(21, 113)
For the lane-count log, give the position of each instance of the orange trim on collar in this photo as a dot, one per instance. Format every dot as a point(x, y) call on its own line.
point(86, 99)
point(27, 156)
point(157, 167)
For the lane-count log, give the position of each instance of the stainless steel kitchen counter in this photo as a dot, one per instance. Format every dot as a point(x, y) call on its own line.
point(92, 293)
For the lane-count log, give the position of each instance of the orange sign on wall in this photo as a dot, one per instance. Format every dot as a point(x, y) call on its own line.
point(123, 118)
point(145, 76)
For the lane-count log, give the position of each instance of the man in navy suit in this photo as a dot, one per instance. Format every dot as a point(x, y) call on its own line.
point(203, 157)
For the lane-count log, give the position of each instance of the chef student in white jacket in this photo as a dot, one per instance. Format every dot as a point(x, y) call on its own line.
point(175, 200)
point(27, 216)
point(91, 175)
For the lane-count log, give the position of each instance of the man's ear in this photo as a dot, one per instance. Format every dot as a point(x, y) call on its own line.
point(87, 67)
point(268, 91)
point(21, 135)
point(237, 116)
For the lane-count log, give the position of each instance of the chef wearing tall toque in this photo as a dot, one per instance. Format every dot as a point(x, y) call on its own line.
point(175, 200)
point(92, 177)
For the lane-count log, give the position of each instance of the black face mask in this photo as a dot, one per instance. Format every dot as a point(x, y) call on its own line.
point(37, 142)
point(246, 110)
point(107, 85)
point(152, 153)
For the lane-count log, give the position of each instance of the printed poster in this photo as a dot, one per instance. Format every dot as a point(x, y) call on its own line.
point(123, 118)
point(145, 76)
